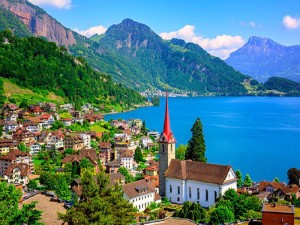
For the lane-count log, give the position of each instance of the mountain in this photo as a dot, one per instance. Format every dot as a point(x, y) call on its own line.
point(44, 67)
point(37, 21)
point(141, 59)
point(262, 58)
point(290, 88)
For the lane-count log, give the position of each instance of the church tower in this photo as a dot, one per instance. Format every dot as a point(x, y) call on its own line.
point(166, 150)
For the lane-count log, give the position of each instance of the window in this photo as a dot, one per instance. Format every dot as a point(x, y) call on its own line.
point(206, 193)
point(178, 190)
point(190, 192)
point(216, 195)
point(198, 193)
point(178, 199)
point(170, 188)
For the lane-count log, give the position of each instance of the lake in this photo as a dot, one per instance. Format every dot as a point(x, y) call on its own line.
point(258, 135)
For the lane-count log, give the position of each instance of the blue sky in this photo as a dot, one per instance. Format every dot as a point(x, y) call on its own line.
point(219, 27)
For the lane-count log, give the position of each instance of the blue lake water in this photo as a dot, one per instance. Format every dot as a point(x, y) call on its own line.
point(258, 135)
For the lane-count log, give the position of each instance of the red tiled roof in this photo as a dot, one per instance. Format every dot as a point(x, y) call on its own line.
point(24, 168)
point(277, 208)
point(198, 171)
point(104, 145)
point(12, 155)
point(131, 189)
point(88, 153)
point(71, 158)
point(290, 189)
point(275, 185)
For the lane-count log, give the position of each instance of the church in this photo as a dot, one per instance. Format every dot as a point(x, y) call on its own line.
point(186, 180)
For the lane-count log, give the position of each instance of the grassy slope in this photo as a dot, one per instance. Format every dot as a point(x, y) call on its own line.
point(12, 90)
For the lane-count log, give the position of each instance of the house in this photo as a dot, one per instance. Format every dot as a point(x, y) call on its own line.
point(11, 126)
point(105, 152)
point(152, 170)
point(270, 186)
point(67, 121)
point(140, 194)
point(126, 158)
point(116, 178)
point(73, 141)
point(32, 127)
point(35, 148)
point(17, 173)
point(199, 182)
point(7, 145)
point(287, 191)
point(36, 109)
point(146, 140)
point(10, 108)
point(47, 120)
point(50, 107)
point(113, 166)
point(12, 116)
point(15, 156)
point(93, 118)
point(55, 140)
point(86, 137)
point(23, 135)
point(273, 214)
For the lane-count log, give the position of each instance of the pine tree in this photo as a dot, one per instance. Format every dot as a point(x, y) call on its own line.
point(138, 155)
point(196, 145)
point(247, 181)
point(239, 176)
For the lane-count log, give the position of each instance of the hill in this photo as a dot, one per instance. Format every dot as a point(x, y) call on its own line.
point(290, 88)
point(139, 58)
point(262, 58)
point(44, 67)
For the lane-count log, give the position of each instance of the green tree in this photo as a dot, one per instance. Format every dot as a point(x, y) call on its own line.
point(180, 152)
point(10, 213)
point(192, 211)
point(276, 179)
point(1, 131)
point(62, 188)
point(138, 155)
point(32, 184)
point(293, 176)
point(85, 164)
point(75, 169)
point(240, 178)
point(143, 128)
point(128, 177)
point(247, 181)
point(196, 145)
point(221, 215)
point(99, 204)
point(22, 147)
point(57, 124)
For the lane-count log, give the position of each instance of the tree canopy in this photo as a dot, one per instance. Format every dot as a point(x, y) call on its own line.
point(10, 213)
point(196, 146)
point(99, 204)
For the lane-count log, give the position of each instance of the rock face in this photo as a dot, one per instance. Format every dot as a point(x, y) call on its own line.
point(39, 22)
point(263, 58)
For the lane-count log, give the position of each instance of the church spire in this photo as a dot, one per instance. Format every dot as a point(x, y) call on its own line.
point(167, 129)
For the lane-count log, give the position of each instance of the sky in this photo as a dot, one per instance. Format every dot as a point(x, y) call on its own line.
point(218, 26)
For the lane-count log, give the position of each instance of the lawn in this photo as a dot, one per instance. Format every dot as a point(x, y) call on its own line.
point(65, 115)
point(98, 128)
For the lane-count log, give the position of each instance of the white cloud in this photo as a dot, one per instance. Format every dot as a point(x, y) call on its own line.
point(61, 4)
point(291, 22)
point(220, 46)
point(91, 31)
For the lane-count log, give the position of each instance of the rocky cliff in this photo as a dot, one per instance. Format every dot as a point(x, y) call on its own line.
point(39, 22)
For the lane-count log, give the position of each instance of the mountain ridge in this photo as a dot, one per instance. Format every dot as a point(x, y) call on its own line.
point(262, 58)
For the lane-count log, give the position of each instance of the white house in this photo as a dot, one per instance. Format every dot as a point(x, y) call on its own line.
point(199, 182)
point(140, 194)
point(17, 173)
point(146, 140)
point(86, 139)
point(126, 157)
point(35, 149)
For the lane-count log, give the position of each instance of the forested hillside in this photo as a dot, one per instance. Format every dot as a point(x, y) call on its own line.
point(43, 66)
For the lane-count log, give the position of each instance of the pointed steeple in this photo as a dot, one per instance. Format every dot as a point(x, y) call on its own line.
point(167, 129)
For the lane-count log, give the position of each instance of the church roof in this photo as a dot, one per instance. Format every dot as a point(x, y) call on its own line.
point(198, 171)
